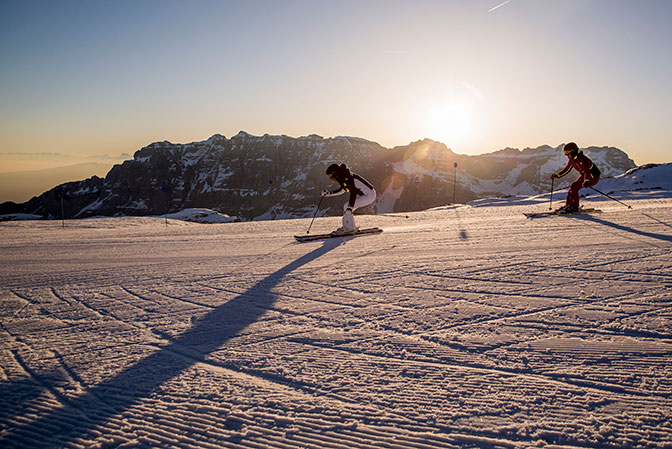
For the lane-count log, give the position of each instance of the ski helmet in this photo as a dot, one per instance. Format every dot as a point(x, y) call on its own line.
point(571, 148)
point(334, 168)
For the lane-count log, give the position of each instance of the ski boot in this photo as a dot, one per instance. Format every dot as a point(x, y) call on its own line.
point(348, 224)
point(567, 210)
point(343, 230)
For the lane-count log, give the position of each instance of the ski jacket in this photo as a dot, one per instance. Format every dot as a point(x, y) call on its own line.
point(582, 164)
point(349, 182)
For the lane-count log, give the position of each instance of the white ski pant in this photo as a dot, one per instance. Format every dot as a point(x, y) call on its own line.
point(361, 201)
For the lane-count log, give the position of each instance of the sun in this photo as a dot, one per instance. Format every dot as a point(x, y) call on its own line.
point(450, 123)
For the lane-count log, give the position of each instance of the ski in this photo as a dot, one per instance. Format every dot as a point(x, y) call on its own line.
point(310, 238)
point(555, 212)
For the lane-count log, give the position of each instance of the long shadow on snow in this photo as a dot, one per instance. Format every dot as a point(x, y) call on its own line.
point(80, 416)
point(663, 237)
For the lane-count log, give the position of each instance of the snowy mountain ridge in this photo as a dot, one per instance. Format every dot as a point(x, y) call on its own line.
point(277, 176)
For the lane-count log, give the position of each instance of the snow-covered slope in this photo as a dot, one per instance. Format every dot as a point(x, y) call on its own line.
point(464, 327)
point(646, 177)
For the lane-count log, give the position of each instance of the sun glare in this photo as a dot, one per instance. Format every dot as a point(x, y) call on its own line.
point(450, 123)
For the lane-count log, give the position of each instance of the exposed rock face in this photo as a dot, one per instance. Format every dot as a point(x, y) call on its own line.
point(271, 177)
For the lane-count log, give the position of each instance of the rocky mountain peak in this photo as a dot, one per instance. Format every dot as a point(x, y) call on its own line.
point(273, 176)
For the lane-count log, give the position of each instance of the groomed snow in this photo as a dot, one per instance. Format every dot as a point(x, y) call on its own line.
point(456, 327)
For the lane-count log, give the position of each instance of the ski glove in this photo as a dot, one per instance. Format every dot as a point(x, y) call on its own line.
point(554, 176)
point(325, 192)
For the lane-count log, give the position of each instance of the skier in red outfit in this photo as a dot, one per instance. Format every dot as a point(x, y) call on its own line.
point(589, 172)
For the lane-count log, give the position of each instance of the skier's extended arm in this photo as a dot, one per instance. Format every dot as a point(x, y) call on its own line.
point(563, 172)
point(336, 192)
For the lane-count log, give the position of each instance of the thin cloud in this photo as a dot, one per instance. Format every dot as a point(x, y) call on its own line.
point(499, 6)
point(21, 154)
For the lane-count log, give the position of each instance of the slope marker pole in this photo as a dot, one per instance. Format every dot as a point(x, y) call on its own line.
point(62, 213)
point(454, 182)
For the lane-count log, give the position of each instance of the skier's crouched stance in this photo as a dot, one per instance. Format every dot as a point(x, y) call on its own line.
point(361, 193)
point(589, 176)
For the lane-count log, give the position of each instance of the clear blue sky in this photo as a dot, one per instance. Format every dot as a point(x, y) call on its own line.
point(92, 77)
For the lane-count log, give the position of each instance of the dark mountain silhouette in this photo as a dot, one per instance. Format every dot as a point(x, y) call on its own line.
point(268, 177)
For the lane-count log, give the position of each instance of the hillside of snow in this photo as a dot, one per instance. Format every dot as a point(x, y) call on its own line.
point(463, 327)
point(646, 177)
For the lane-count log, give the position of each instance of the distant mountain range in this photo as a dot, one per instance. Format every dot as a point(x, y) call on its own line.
point(23, 185)
point(270, 177)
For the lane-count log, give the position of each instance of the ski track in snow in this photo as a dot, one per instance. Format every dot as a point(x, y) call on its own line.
point(476, 329)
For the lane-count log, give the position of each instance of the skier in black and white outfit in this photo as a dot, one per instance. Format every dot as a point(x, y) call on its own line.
point(361, 193)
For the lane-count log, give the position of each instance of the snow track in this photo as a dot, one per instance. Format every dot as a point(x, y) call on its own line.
point(481, 330)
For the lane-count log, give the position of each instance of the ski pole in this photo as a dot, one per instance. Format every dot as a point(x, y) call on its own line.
point(314, 215)
point(611, 198)
point(389, 215)
point(550, 205)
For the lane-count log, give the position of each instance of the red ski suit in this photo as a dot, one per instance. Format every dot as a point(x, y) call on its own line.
point(590, 175)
